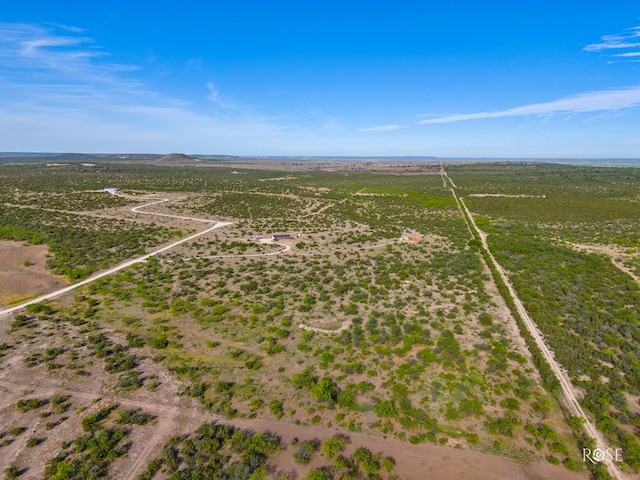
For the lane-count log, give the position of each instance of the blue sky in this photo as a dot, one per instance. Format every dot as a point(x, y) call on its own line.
point(449, 79)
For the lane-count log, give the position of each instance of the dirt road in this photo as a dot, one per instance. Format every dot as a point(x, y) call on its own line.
point(568, 391)
point(57, 293)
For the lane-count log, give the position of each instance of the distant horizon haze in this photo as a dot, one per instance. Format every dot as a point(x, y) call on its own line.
point(124, 156)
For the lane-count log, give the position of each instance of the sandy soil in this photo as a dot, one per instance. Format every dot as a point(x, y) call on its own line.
point(23, 273)
point(417, 462)
point(180, 415)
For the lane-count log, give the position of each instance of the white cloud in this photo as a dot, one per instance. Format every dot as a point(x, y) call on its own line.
point(611, 42)
point(333, 124)
point(214, 95)
point(628, 54)
point(598, 101)
point(381, 128)
point(135, 127)
point(33, 48)
point(65, 86)
point(31, 44)
point(69, 28)
point(603, 100)
point(628, 40)
point(38, 58)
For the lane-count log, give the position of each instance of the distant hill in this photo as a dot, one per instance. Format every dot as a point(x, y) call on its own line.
point(177, 158)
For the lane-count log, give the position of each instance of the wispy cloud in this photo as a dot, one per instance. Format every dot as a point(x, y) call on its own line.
point(44, 46)
point(628, 54)
point(214, 95)
point(27, 43)
point(69, 28)
point(381, 128)
point(623, 45)
point(603, 100)
point(628, 40)
point(333, 125)
point(58, 81)
point(37, 54)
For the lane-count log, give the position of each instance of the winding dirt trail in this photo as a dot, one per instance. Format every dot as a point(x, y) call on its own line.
point(285, 248)
point(568, 391)
point(215, 224)
point(57, 293)
point(328, 206)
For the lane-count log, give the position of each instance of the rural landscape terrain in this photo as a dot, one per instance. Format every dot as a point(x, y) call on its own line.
point(175, 317)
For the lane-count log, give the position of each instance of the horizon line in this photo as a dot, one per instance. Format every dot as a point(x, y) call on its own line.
point(25, 154)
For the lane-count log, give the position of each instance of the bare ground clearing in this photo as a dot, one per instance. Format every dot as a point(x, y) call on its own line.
point(23, 273)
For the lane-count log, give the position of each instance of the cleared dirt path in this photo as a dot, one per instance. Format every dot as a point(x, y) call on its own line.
point(285, 248)
point(413, 461)
point(568, 391)
point(57, 293)
point(326, 207)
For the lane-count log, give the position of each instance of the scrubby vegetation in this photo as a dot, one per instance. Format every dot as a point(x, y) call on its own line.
point(215, 452)
point(221, 452)
point(587, 307)
point(402, 333)
point(381, 317)
point(91, 453)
